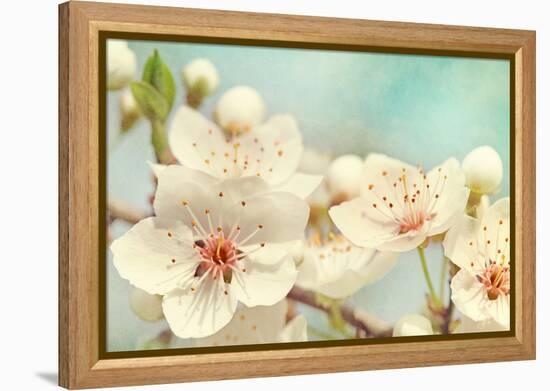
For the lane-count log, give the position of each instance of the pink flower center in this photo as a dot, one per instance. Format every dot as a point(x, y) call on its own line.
point(219, 256)
point(218, 250)
point(221, 250)
point(412, 223)
point(409, 199)
point(496, 280)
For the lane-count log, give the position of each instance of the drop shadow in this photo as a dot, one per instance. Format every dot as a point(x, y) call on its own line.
point(48, 377)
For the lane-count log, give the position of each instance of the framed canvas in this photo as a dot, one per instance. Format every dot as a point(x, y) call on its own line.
point(248, 195)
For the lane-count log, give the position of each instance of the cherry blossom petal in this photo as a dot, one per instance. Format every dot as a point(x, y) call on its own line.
point(270, 217)
point(157, 168)
point(469, 296)
point(271, 151)
point(260, 324)
point(448, 185)
point(499, 310)
point(382, 172)
point(156, 255)
point(301, 185)
point(362, 225)
point(187, 194)
point(461, 246)
point(412, 325)
point(380, 263)
point(178, 185)
point(383, 186)
point(406, 241)
point(193, 139)
point(467, 325)
point(255, 283)
point(309, 270)
point(494, 237)
point(243, 204)
point(275, 148)
point(270, 253)
point(199, 313)
point(348, 283)
point(295, 330)
point(339, 274)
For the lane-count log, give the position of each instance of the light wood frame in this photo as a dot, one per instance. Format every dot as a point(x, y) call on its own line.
point(79, 167)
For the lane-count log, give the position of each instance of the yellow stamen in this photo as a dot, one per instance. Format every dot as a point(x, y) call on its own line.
point(407, 198)
point(220, 244)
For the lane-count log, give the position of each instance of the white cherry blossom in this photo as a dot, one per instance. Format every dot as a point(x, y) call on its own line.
point(481, 248)
point(257, 325)
point(213, 243)
point(271, 151)
point(337, 268)
point(400, 205)
point(412, 325)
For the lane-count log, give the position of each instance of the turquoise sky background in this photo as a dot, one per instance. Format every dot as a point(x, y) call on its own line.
point(420, 109)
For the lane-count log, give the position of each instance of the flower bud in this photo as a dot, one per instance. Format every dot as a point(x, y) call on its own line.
point(483, 170)
point(239, 110)
point(344, 177)
point(201, 79)
point(411, 325)
point(121, 64)
point(146, 306)
point(129, 110)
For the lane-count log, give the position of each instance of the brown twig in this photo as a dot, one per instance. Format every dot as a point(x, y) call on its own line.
point(372, 326)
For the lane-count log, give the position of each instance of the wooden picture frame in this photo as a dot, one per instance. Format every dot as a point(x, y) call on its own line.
point(80, 289)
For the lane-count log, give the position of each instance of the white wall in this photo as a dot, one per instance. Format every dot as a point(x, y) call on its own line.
point(28, 152)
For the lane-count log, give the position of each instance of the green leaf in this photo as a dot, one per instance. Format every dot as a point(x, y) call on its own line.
point(151, 64)
point(157, 74)
point(151, 102)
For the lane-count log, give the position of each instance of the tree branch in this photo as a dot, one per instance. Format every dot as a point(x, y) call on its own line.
point(372, 326)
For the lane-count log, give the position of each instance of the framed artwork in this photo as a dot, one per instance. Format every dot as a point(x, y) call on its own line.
point(256, 195)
